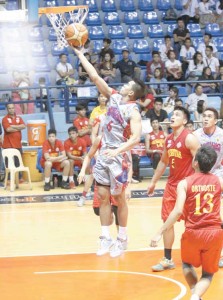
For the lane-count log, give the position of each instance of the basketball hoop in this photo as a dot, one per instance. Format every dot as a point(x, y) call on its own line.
point(62, 16)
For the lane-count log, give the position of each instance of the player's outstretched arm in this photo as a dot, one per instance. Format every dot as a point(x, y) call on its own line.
point(163, 163)
point(98, 81)
point(174, 215)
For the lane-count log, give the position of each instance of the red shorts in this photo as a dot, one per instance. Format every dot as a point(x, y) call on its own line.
point(169, 200)
point(78, 163)
point(55, 165)
point(202, 247)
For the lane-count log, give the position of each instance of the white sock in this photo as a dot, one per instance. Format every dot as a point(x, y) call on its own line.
point(194, 297)
point(105, 232)
point(65, 178)
point(47, 179)
point(71, 178)
point(122, 233)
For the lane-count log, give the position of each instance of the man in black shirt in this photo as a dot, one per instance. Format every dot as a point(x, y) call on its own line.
point(179, 35)
point(127, 68)
point(106, 49)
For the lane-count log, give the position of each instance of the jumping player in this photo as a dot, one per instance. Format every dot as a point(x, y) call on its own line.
point(179, 149)
point(212, 135)
point(199, 198)
point(111, 169)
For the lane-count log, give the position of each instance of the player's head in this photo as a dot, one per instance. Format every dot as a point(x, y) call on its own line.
point(10, 108)
point(134, 89)
point(210, 117)
point(155, 124)
point(81, 110)
point(190, 125)
point(73, 133)
point(180, 117)
point(102, 99)
point(205, 158)
point(52, 135)
point(63, 57)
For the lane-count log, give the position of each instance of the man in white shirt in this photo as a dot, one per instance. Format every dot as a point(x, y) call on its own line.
point(186, 54)
point(190, 11)
point(211, 61)
point(207, 42)
point(192, 100)
point(164, 48)
point(64, 69)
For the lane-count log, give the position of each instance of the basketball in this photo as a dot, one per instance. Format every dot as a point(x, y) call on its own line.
point(76, 34)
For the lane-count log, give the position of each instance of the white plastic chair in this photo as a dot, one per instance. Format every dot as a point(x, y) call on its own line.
point(10, 155)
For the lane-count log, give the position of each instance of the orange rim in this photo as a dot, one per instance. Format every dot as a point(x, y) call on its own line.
point(59, 9)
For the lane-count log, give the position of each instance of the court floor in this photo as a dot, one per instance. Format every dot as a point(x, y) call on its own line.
point(48, 247)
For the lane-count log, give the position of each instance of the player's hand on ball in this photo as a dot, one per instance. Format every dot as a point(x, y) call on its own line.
point(155, 240)
point(150, 189)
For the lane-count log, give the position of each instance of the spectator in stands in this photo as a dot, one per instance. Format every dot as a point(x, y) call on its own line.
point(211, 61)
point(42, 93)
point(192, 100)
point(81, 70)
point(154, 142)
point(169, 102)
point(187, 52)
point(190, 11)
point(206, 14)
point(64, 70)
point(158, 113)
point(127, 67)
point(159, 84)
point(76, 150)
point(173, 67)
point(81, 122)
point(153, 64)
point(208, 87)
point(54, 156)
point(179, 102)
point(146, 103)
point(220, 77)
point(207, 42)
point(13, 125)
point(195, 68)
point(106, 49)
point(164, 48)
point(107, 69)
point(27, 108)
point(201, 105)
point(179, 35)
point(219, 12)
point(101, 109)
point(190, 125)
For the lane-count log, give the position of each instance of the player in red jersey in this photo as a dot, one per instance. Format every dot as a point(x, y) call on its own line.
point(81, 122)
point(179, 150)
point(54, 156)
point(76, 150)
point(199, 199)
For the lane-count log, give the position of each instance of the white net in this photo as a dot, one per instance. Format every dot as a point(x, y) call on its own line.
point(60, 21)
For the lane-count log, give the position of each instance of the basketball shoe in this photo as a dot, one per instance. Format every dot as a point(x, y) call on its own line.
point(119, 247)
point(81, 201)
point(164, 264)
point(104, 245)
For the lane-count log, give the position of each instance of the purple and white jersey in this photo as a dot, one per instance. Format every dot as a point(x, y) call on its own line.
point(116, 122)
point(216, 142)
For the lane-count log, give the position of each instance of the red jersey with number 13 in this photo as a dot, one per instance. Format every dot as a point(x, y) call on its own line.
point(203, 202)
point(180, 158)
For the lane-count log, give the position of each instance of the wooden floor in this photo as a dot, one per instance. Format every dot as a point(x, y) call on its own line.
point(48, 251)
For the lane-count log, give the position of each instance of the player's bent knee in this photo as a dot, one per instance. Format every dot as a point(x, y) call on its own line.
point(48, 164)
point(206, 275)
point(96, 211)
point(186, 266)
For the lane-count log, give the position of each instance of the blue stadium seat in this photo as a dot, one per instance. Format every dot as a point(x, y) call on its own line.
point(111, 18)
point(116, 32)
point(155, 31)
point(178, 5)
point(182, 91)
point(127, 5)
point(196, 41)
point(214, 101)
point(167, 21)
point(170, 29)
point(144, 57)
point(38, 49)
point(195, 30)
point(97, 46)
point(119, 45)
point(39, 75)
point(163, 5)
point(144, 162)
point(3, 68)
point(35, 34)
point(96, 33)
point(145, 5)
point(56, 50)
point(150, 17)
point(108, 6)
point(135, 32)
point(93, 19)
point(218, 42)
point(51, 3)
point(12, 5)
point(92, 4)
point(18, 63)
point(52, 35)
point(157, 43)
point(11, 34)
point(70, 2)
point(141, 46)
point(213, 29)
point(131, 17)
point(41, 64)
